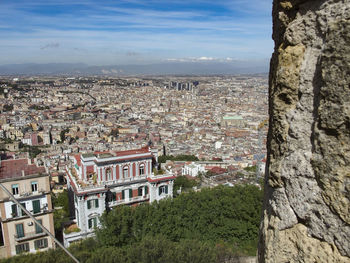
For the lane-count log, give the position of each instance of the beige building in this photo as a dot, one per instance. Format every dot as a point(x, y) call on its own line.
point(30, 186)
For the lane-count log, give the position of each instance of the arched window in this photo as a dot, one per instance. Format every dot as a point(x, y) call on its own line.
point(142, 169)
point(126, 172)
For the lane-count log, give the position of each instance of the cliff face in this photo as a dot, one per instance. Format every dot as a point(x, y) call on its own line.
point(306, 214)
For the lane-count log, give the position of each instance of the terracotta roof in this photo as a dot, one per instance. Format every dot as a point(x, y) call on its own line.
point(218, 170)
point(129, 152)
point(118, 153)
point(14, 168)
point(160, 179)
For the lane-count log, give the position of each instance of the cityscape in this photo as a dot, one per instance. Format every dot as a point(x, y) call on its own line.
point(65, 127)
point(171, 131)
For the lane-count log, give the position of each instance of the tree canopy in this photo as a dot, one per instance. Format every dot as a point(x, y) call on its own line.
point(212, 225)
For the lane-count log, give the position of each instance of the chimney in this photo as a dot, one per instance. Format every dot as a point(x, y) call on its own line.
point(23, 174)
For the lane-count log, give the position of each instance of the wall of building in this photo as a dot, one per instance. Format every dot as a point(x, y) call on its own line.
point(29, 230)
point(25, 187)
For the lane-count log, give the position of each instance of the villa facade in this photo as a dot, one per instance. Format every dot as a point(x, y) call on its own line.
point(100, 181)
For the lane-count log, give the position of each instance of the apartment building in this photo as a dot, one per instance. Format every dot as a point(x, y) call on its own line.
point(30, 186)
point(97, 181)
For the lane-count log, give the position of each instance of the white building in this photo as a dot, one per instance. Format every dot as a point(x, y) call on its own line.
point(193, 169)
point(100, 180)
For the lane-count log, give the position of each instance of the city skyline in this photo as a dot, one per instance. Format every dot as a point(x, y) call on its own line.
point(135, 32)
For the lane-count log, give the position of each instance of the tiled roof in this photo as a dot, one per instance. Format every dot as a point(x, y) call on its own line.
point(14, 168)
point(130, 152)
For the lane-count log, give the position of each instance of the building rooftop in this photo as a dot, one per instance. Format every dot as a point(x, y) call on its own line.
point(19, 168)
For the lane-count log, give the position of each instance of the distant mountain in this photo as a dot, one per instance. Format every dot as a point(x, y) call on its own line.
point(176, 68)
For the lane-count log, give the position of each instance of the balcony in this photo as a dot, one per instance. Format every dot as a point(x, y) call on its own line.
point(28, 236)
point(90, 185)
point(126, 201)
point(27, 194)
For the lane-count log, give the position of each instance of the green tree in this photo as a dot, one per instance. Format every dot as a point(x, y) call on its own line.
point(61, 212)
point(184, 183)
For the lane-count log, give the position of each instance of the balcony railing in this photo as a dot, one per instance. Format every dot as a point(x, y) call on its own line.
point(129, 200)
point(29, 235)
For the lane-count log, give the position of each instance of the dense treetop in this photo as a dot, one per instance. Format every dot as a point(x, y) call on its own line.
point(206, 226)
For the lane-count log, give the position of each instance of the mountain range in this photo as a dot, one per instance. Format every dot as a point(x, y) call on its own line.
point(163, 68)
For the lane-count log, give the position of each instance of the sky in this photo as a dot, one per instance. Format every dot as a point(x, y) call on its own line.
point(121, 32)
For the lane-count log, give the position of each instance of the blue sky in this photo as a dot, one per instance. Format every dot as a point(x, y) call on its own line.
point(134, 32)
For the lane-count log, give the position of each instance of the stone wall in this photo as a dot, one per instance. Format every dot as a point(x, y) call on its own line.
point(306, 215)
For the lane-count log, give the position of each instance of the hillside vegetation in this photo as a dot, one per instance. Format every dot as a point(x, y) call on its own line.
point(207, 226)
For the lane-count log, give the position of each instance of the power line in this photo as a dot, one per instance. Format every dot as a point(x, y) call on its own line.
point(37, 222)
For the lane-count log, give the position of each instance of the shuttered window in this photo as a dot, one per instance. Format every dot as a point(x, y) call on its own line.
point(163, 189)
point(92, 222)
point(114, 196)
point(19, 230)
point(93, 203)
point(22, 211)
point(139, 191)
point(36, 206)
point(14, 210)
point(38, 228)
point(22, 248)
point(40, 243)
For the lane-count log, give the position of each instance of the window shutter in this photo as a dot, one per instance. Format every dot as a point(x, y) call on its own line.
point(19, 230)
point(166, 189)
point(36, 206)
point(90, 223)
point(130, 193)
point(22, 211)
point(89, 204)
point(159, 190)
point(96, 203)
point(36, 245)
point(14, 210)
point(38, 229)
point(146, 190)
point(45, 242)
point(18, 249)
point(123, 195)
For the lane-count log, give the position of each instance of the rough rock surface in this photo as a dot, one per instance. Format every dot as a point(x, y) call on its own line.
point(306, 215)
